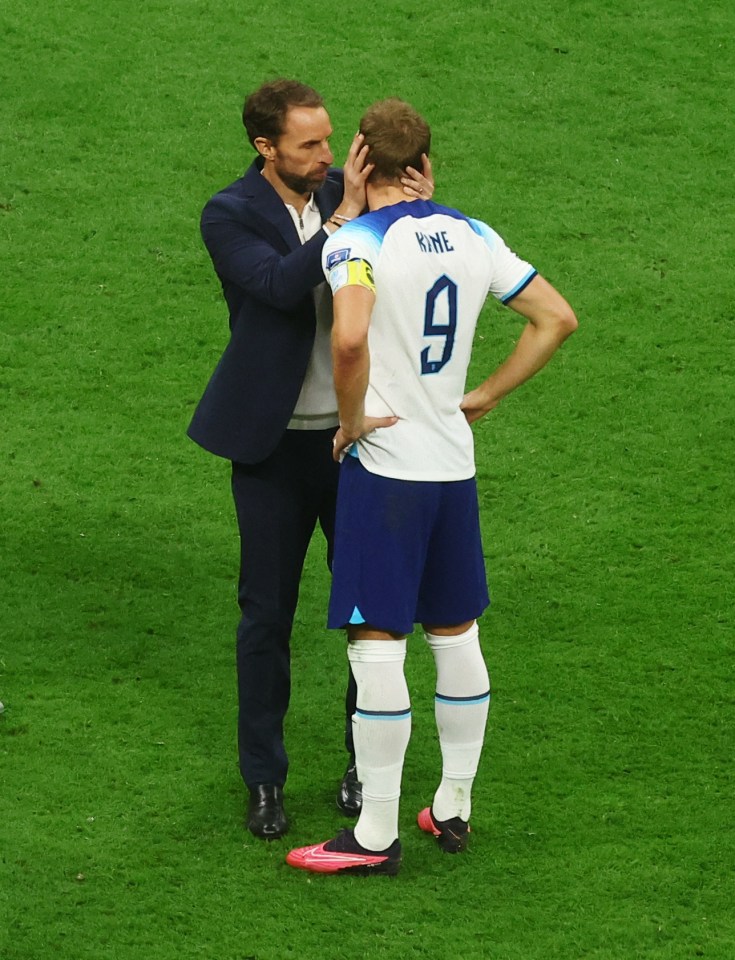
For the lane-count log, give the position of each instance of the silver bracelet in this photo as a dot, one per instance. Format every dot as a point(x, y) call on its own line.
point(338, 216)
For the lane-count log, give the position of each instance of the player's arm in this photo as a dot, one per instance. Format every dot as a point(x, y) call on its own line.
point(550, 321)
point(351, 356)
point(353, 305)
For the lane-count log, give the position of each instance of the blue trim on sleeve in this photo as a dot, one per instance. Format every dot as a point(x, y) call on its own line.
point(519, 286)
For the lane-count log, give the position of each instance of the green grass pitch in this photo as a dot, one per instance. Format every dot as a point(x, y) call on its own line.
point(597, 139)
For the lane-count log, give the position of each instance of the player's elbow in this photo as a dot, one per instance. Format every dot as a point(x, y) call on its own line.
point(347, 346)
point(562, 320)
point(567, 321)
point(348, 362)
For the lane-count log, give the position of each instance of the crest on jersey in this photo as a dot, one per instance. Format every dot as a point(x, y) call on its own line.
point(337, 256)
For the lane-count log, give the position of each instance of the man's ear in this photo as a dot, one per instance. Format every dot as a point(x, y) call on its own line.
point(265, 147)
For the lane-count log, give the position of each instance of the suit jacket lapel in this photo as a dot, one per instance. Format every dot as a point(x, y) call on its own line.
point(268, 206)
point(265, 203)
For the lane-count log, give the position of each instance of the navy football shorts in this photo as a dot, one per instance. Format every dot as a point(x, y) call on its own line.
point(405, 552)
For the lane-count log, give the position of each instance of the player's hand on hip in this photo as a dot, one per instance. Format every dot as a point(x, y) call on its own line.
point(476, 404)
point(419, 185)
point(343, 441)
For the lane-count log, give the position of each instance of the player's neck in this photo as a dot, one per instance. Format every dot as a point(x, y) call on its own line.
point(384, 195)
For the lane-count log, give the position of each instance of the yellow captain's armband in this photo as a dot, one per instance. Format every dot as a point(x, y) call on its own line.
point(351, 273)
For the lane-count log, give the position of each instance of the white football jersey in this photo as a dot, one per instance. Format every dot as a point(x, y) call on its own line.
point(431, 269)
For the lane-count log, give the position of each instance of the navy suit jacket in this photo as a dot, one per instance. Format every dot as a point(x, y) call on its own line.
point(267, 278)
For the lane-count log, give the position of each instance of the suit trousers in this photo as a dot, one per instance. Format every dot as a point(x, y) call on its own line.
point(278, 504)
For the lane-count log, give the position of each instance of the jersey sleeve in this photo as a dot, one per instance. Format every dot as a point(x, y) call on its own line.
point(510, 274)
point(348, 258)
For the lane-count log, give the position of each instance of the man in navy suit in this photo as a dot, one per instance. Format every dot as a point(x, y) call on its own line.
point(270, 406)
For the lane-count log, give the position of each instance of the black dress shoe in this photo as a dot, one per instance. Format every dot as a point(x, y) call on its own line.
point(266, 817)
point(349, 797)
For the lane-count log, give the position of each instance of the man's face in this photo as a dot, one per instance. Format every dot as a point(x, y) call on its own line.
point(301, 158)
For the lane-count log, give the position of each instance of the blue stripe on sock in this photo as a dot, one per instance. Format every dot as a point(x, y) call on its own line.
point(463, 701)
point(384, 714)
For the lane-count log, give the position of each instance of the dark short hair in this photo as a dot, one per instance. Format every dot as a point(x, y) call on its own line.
point(397, 135)
point(264, 112)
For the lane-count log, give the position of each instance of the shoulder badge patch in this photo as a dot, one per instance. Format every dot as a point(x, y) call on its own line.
point(337, 256)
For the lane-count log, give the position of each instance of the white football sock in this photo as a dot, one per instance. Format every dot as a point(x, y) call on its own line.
point(382, 728)
point(461, 707)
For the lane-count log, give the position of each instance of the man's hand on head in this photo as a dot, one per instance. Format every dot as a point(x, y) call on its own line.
point(356, 172)
point(420, 186)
